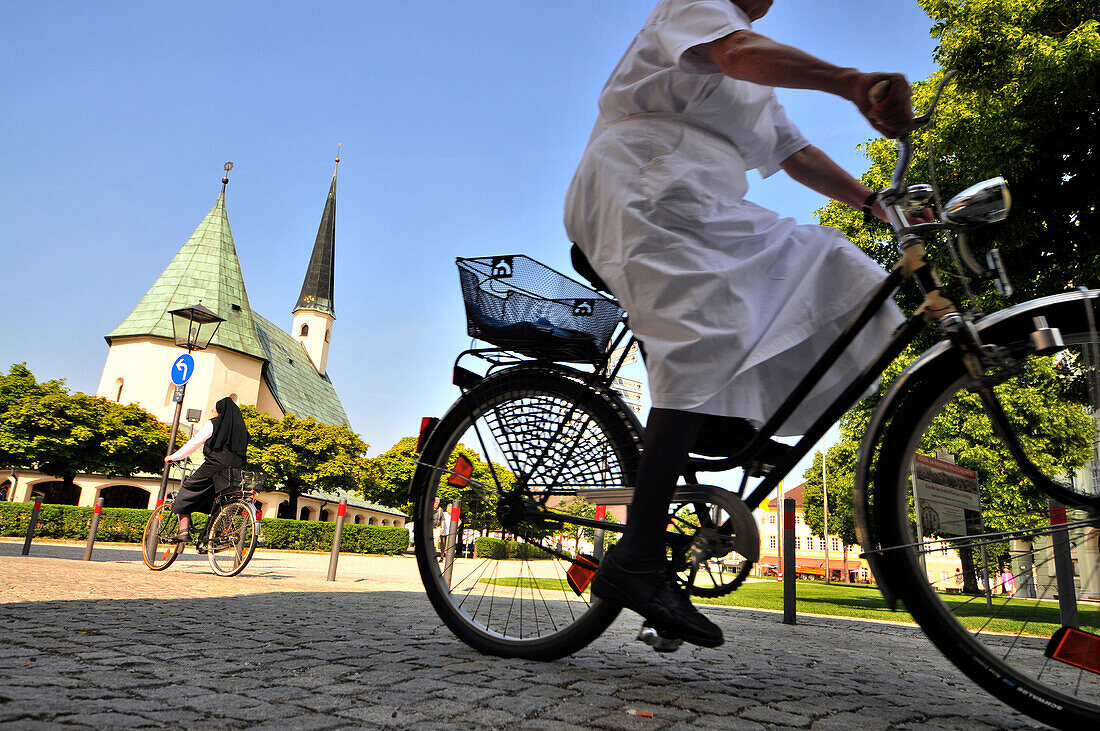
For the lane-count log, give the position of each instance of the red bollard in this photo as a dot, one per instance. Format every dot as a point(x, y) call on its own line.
point(92, 530)
point(335, 555)
point(31, 526)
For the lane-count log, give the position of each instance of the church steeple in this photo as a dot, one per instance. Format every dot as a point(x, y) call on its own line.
point(315, 313)
point(317, 288)
point(206, 270)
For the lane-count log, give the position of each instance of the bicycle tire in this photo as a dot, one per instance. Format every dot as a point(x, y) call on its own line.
point(158, 545)
point(554, 435)
point(998, 642)
point(231, 538)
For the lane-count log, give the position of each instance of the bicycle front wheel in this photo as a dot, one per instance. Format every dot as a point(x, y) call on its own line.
point(159, 546)
point(522, 443)
point(984, 562)
point(231, 538)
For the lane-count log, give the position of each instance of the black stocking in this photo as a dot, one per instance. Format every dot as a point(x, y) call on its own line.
point(669, 435)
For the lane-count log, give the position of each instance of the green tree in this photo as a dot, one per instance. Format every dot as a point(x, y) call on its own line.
point(1053, 425)
point(390, 475)
point(302, 454)
point(44, 427)
point(1025, 104)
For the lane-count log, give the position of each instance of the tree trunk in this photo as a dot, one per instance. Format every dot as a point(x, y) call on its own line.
point(847, 576)
point(969, 570)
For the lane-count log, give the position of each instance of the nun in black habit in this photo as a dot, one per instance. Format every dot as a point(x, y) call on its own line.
point(223, 439)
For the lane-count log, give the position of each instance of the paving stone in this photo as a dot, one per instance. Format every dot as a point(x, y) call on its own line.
point(352, 654)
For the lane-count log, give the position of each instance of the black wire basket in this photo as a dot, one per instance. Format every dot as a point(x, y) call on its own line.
point(518, 304)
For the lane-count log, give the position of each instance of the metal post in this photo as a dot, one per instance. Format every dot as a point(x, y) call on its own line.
point(31, 525)
point(825, 497)
point(1063, 565)
point(788, 561)
point(335, 554)
point(450, 539)
point(92, 530)
point(178, 397)
point(597, 544)
point(986, 581)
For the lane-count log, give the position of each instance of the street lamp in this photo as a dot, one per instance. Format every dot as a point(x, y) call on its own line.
point(192, 328)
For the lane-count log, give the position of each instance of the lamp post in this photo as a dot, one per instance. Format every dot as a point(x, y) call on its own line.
point(192, 328)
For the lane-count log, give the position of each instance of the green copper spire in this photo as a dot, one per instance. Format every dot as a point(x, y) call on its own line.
point(317, 288)
point(205, 270)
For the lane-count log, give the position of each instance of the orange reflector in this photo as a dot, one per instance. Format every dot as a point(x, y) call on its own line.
point(462, 471)
point(1074, 647)
point(427, 423)
point(580, 573)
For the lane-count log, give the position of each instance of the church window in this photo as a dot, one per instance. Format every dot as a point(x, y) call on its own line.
point(118, 391)
point(305, 330)
point(236, 308)
point(327, 333)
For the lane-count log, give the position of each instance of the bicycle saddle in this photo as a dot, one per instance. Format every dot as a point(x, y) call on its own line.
point(582, 267)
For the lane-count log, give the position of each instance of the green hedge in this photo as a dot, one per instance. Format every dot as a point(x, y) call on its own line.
point(498, 549)
point(311, 535)
point(125, 525)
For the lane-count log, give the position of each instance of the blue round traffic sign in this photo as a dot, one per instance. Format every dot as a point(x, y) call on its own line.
point(182, 369)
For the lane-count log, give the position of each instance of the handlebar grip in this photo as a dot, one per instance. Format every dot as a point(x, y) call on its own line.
point(878, 91)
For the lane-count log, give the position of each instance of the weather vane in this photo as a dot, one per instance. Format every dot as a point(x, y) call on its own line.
point(228, 166)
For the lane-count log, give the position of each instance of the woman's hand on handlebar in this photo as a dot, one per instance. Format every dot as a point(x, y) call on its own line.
point(886, 101)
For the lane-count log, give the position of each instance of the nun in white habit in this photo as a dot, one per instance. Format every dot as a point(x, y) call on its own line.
point(731, 302)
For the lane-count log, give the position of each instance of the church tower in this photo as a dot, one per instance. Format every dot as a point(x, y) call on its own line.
point(205, 270)
point(314, 313)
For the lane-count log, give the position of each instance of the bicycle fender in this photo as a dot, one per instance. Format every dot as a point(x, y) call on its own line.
point(1011, 327)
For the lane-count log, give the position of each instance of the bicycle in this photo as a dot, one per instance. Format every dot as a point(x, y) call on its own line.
point(545, 426)
point(228, 538)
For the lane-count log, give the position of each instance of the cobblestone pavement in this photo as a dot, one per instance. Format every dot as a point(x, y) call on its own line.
point(110, 644)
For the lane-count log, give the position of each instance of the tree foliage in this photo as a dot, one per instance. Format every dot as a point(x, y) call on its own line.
point(390, 474)
point(303, 454)
point(1025, 104)
point(44, 427)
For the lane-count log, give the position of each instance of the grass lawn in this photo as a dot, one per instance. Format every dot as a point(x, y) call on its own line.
point(861, 601)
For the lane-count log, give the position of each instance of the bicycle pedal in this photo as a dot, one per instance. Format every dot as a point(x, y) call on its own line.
point(649, 635)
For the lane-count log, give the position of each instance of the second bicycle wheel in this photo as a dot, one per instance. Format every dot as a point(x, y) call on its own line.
point(987, 565)
point(521, 443)
point(159, 547)
point(232, 538)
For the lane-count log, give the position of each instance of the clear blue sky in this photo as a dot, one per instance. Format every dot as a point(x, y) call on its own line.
point(461, 125)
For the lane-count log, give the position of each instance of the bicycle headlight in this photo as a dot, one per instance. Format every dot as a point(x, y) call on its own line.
point(986, 202)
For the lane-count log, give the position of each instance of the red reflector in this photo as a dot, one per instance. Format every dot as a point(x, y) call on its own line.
point(462, 471)
point(427, 423)
point(580, 573)
point(1076, 648)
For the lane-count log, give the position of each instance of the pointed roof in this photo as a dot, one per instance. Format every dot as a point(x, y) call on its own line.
point(317, 288)
point(296, 385)
point(205, 270)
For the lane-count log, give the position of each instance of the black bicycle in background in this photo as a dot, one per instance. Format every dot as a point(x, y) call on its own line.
point(228, 537)
point(544, 426)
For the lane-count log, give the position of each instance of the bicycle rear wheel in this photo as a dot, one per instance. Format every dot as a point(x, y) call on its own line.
point(159, 547)
point(970, 546)
point(525, 438)
point(231, 538)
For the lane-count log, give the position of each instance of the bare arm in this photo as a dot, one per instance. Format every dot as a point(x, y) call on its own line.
point(817, 171)
point(752, 57)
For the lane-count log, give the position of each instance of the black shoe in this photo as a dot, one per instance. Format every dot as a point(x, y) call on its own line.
point(652, 595)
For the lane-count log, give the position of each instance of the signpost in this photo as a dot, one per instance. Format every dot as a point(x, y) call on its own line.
point(947, 505)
